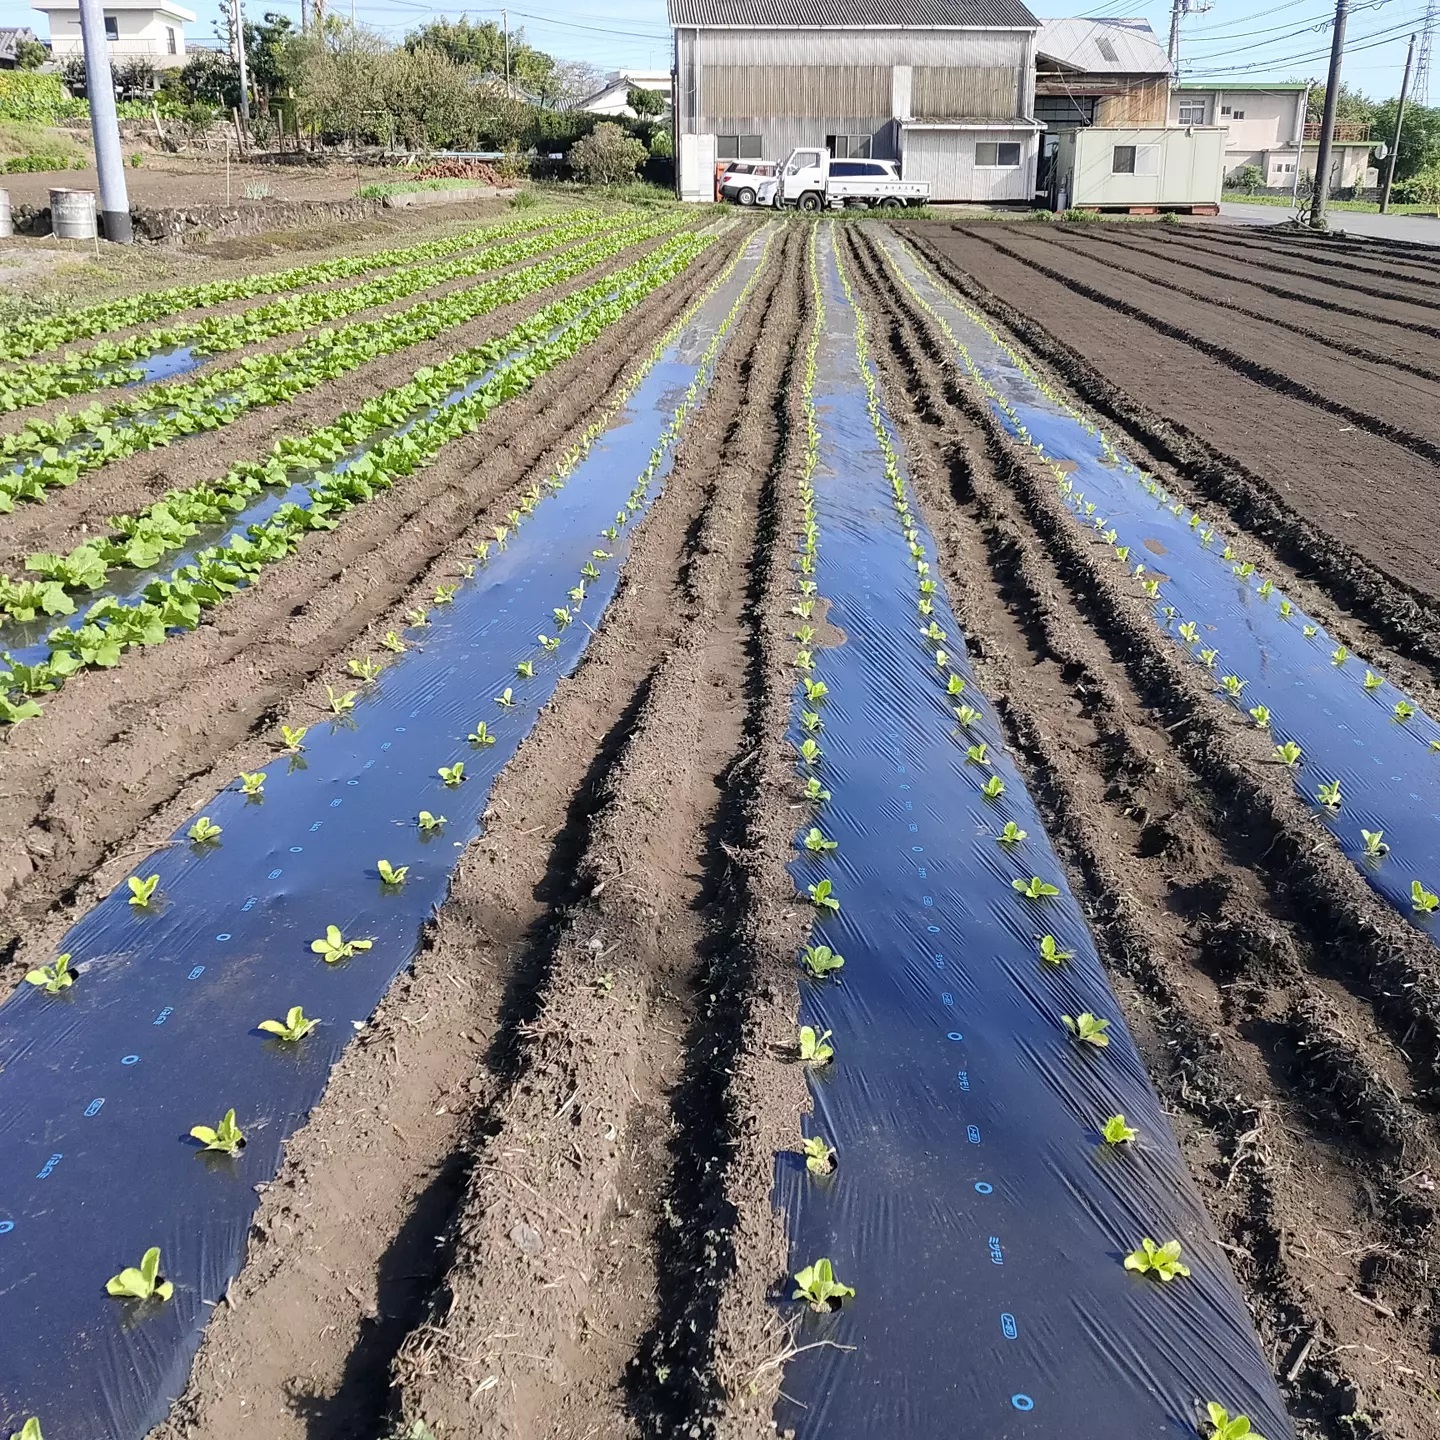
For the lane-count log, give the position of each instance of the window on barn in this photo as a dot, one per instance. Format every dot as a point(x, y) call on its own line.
point(1135, 160)
point(1061, 112)
point(848, 147)
point(1005, 154)
point(737, 147)
point(1192, 112)
point(1122, 160)
point(112, 28)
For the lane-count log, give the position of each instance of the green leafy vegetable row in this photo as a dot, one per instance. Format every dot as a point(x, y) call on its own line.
point(142, 539)
point(27, 337)
point(83, 371)
point(189, 407)
point(111, 627)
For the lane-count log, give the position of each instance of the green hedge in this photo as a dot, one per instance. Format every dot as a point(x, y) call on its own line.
point(29, 95)
point(32, 164)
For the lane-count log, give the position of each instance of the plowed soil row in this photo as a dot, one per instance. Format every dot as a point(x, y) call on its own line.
point(123, 755)
point(1335, 505)
point(1294, 1068)
point(1385, 260)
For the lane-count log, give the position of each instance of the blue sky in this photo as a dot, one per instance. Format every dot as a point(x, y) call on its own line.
point(1235, 39)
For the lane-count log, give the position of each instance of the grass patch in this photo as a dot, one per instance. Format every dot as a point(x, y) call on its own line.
point(1359, 207)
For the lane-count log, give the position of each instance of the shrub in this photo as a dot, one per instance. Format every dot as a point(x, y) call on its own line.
point(29, 95)
point(1421, 189)
point(662, 147)
point(34, 164)
point(1248, 178)
point(606, 156)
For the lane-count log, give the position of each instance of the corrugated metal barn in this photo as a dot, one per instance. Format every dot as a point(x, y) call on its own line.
point(946, 87)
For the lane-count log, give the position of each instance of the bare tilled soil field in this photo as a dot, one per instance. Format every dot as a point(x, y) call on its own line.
point(598, 844)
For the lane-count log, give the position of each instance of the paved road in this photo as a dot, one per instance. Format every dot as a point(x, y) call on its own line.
point(1416, 229)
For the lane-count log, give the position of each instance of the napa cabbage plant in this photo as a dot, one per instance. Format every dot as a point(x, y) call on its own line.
point(226, 1137)
point(294, 1027)
point(141, 1283)
point(816, 1284)
point(1162, 1261)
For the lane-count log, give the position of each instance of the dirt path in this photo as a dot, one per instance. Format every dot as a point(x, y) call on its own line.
point(1296, 1087)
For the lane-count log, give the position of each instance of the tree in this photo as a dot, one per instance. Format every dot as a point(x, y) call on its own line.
point(482, 45)
point(606, 156)
point(645, 102)
point(1350, 106)
point(270, 57)
point(1419, 139)
point(30, 55)
point(1248, 178)
point(213, 78)
point(571, 82)
point(662, 147)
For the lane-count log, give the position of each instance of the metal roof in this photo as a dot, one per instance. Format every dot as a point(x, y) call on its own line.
point(1261, 87)
point(1103, 47)
point(854, 14)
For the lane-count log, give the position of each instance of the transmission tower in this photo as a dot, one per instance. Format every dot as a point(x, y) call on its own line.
point(1421, 84)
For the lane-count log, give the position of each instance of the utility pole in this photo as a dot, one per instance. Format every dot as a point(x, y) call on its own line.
point(1427, 39)
point(100, 91)
point(1399, 121)
point(1327, 122)
point(1177, 9)
point(505, 21)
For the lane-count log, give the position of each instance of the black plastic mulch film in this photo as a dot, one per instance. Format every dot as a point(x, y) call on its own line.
point(100, 1085)
point(975, 1208)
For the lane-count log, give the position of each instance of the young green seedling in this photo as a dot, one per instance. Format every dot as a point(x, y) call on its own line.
point(549, 643)
point(30, 1430)
point(821, 960)
point(815, 1049)
point(1339, 655)
point(1329, 794)
point(1266, 589)
point(1087, 1029)
point(1189, 632)
point(1403, 710)
point(55, 977)
point(418, 617)
point(366, 669)
point(562, 616)
point(389, 875)
point(1244, 571)
point(481, 735)
point(1051, 953)
point(819, 1155)
point(292, 738)
point(993, 788)
point(954, 685)
point(810, 720)
point(444, 594)
point(1286, 609)
point(1311, 631)
point(815, 690)
point(810, 752)
point(252, 784)
point(817, 844)
point(506, 697)
point(1375, 845)
point(977, 754)
point(817, 1285)
point(204, 832)
point(1288, 754)
point(142, 891)
point(821, 897)
point(525, 669)
point(142, 1284)
point(1260, 714)
point(295, 1026)
point(1012, 834)
point(966, 715)
point(1208, 658)
point(804, 660)
point(226, 1138)
point(1152, 588)
point(1116, 1132)
point(335, 947)
point(1224, 1426)
point(452, 775)
point(428, 822)
point(1035, 888)
point(1373, 681)
point(1421, 900)
point(1232, 685)
point(1162, 1261)
point(340, 702)
point(393, 642)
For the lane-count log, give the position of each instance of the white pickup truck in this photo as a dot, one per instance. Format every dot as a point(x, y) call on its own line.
point(810, 179)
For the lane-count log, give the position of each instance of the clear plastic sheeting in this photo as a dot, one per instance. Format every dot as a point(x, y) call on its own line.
point(976, 1209)
point(1343, 716)
point(100, 1085)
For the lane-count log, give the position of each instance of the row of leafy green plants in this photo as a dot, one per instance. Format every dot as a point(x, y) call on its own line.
point(817, 1283)
point(1326, 793)
point(45, 332)
point(145, 1283)
point(79, 372)
point(556, 333)
point(142, 538)
point(100, 434)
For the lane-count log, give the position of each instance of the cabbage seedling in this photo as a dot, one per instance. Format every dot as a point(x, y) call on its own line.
point(204, 831)
point(292, 738)
point(295, 1026)
point(55, 977)
point(417, 617)
point(814, 790)
point(444, 594)
point(1329, 794)
point(804, 660)
point(819, 1155)
point(1288, 754)
point(141, 1284)
point(1116, 1132)
point(393, 642)
point(1373, 681)
point(1260, 714)
point(366, 669)
point(1208, 658)
point(452, 775)
point(933, 632)
point(30, 1430)
point(942, 660)
point(334, 946)
point(1286, 609)
point(481, 735)
point(815, 1049)
point(141, 891)
point(817, 844)
point(1375, 845)
point(428, 822)
point(589, 571)
point(252, 783)
point(821, 897)
point(1311, 631)
point(815, 690)
point(1190, 633)
point(1051, 952)
point(1421, 899)
point(817, 1285)
point(1232, 685)
point(1224, 1426)
point(810, 752)
point(549, 643)
point(506, 697)
point(967, 715)
point(1087, 1029)
point(340, 703)
point(977, 754)
point(389, 875)
point(993, 788)
point(1152, 588)
point(227, 1137)
point(1339, 655)
point(1244, 571)
point(954, 685)
point(820, 960)
point(1266, 589)
point(1162, 1261)
point(1035, 888)
point(1012, 834)
point(810, 720)
point(1403, 710)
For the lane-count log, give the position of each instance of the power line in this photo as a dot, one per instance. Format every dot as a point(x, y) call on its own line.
point(1375, 37)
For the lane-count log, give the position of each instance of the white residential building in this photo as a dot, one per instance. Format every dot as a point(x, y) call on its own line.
point(152, 30)
point(612, 98)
